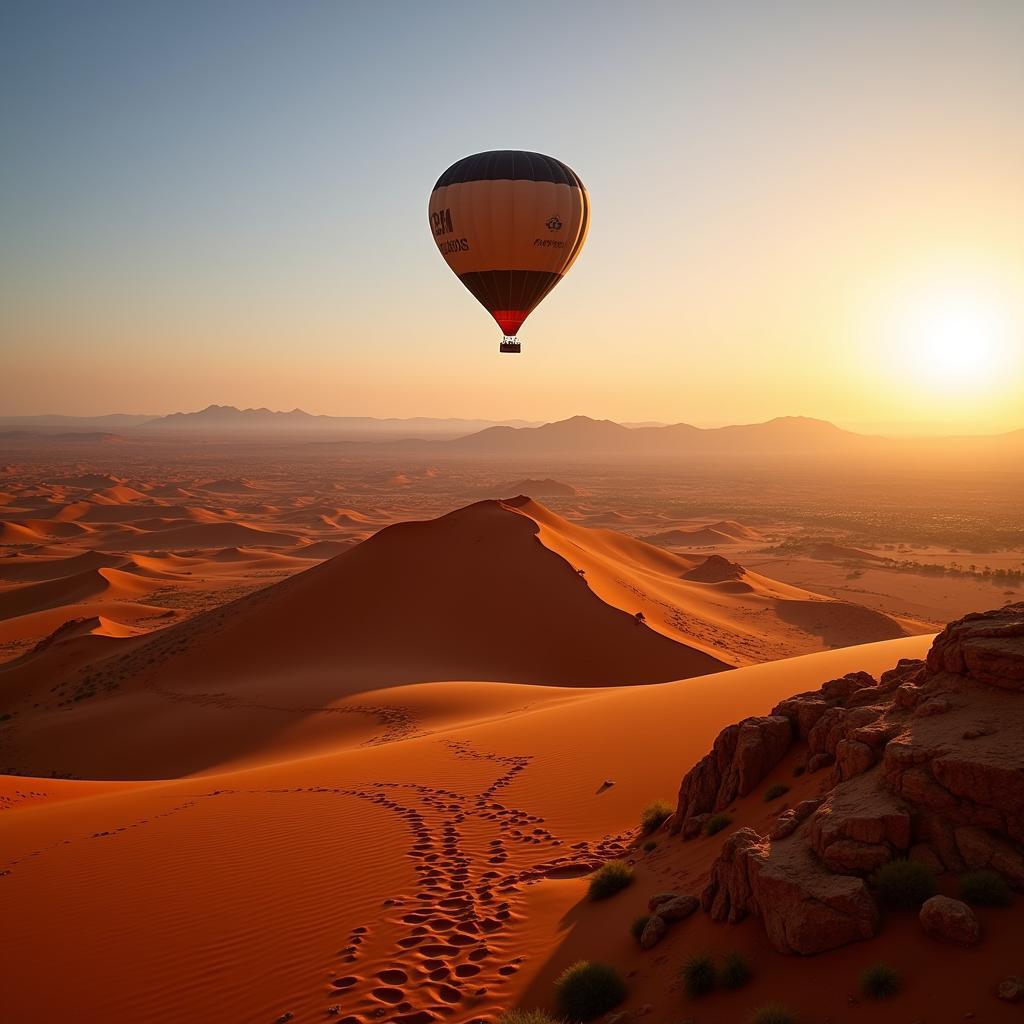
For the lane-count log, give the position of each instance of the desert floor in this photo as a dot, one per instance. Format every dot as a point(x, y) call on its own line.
point(255, 766)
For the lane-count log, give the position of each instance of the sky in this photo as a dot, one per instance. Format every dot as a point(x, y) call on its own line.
point(798, 208)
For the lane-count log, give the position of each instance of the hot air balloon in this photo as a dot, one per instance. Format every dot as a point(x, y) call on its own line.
point(509, 224)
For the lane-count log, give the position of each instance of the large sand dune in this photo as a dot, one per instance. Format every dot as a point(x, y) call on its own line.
point(439, 870)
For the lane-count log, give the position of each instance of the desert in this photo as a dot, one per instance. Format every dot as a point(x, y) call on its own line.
point(384, 734)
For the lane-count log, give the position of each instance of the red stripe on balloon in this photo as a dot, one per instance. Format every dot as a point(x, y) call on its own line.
point(510, 320)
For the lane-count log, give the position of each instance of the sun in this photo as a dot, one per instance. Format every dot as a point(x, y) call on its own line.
point(954, 335)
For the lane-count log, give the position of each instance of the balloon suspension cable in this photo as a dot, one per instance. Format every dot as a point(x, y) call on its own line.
point(510, 343)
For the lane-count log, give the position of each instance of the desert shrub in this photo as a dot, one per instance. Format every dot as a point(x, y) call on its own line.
point(654, 815)
point(650, 845)
point(698, 975)
point(735, 972)
point(586, 990)
point(904, 884)
point(774, 792)
point(636, 929)
point(773, 1014)
point(716, 823)
point(799, 769)
point(609, 879)
point(985, 888)
point(879, 981)
point(527, 1017)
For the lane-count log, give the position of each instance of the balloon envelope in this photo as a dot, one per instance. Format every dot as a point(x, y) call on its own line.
point(509, 224)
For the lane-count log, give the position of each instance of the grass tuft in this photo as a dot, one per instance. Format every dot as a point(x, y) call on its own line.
point(586, 990)
point(716, 823)
point(774, 792)
point(880, 981)
point(609, 879)
point(698, 975)
point(735, 972)
point(528, 1017)
point(654, 815)
point(985, 889)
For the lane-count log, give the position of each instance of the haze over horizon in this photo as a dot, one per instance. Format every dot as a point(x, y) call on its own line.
point(803, 211)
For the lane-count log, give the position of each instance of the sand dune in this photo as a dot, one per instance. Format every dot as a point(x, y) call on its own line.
point(32, 531)
point(36, 625)
point(733, 529)
point(739, 618)
point(102, 583)
point(830, 552)
point(505, 591)
point(202, 535)
point(34, 570)
point(705, 536)
point(228, 486)
point(322, 549)
point(360, 937)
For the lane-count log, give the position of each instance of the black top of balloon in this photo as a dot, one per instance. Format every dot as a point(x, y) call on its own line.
point(511, 165)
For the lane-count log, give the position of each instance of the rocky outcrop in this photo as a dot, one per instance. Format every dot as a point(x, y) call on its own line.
point(950, 920)
point(742, 756)
point(988, 646)
point(927, 762)
point(804, 908)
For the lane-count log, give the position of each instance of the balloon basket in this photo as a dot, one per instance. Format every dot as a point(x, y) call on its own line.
point(509, 345)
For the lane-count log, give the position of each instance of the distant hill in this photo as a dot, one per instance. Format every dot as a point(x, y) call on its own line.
point(582, 435)
point(229, 419)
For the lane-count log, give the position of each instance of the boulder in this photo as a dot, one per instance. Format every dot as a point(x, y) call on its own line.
point(654, 931)
point(659, 898)
point(950, 920)
point(678, 908)
point(804, 908)
point(1011, 990)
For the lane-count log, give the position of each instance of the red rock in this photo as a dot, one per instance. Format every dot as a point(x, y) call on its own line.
point(928, 761)
point(741, 757)
point(654, 931)
point(853, 758)
point(988, 646)
point(950, 920)
point(804, 908)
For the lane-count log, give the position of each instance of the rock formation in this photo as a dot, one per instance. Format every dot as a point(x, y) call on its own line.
point(927, 762)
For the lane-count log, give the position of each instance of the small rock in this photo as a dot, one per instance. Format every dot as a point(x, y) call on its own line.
point(654, 931)
point(660, 897)
point(951, 920)
point(1011, 989)
point(818, 761)
point(285, 1017)
point(679, 908)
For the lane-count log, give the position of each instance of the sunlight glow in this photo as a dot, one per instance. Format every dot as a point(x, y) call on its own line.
point(953, 335)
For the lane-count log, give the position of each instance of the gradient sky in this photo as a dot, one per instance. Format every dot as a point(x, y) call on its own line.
point(798, 208)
